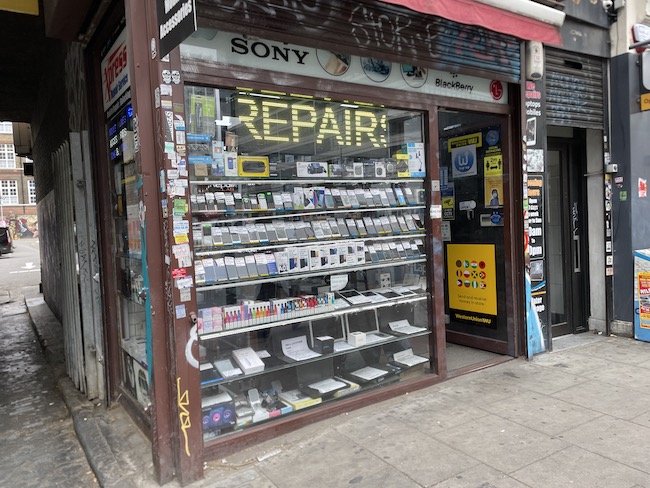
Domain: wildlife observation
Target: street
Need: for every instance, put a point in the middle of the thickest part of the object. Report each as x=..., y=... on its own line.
x=20, y=268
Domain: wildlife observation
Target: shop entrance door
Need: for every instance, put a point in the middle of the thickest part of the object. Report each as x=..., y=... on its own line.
x=474, y=167
x=566, y=240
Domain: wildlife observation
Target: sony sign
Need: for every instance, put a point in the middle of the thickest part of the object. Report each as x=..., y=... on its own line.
x=115, y=72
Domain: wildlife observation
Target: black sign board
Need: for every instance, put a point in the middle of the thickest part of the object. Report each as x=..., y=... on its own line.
x=176, y=21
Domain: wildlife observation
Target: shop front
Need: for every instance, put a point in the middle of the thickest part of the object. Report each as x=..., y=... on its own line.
x=325, y=256
x=309, y=220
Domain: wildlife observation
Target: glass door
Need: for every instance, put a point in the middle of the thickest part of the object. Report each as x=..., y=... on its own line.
x=473, y=172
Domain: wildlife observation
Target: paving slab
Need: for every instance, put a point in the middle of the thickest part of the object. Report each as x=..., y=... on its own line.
x=402, y=447
x=621, y=350
x=481, y=476
x=535, y=377
x=579, y=468
x=501, y=443
x=333, y=459
x=542, y=413
x=570, y=362
x=434, y=412
x=625, y=442
x=620, y=401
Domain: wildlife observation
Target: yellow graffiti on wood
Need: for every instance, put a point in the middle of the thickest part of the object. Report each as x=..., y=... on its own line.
x=184, y=415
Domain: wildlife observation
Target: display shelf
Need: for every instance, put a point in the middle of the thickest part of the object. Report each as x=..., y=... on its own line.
x=308, y=274
x=223, y=381
x=317, y=181
x=224, y=249
x=332, y=313
x=288, y=214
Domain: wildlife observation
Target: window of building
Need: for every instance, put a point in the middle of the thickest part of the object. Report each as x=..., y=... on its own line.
x=6, y=128
x=7, y=156
x=31, y=184
x=9, y=192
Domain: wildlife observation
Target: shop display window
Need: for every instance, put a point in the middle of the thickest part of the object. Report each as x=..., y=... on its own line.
x=309, y=234
x=128, y=258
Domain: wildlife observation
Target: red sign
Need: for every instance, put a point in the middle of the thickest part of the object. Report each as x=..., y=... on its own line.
x=496, y=89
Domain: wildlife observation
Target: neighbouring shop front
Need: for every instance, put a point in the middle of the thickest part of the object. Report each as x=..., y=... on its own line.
x=305, y=224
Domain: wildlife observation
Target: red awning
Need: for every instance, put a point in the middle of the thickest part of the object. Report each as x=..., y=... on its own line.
x=496, y=19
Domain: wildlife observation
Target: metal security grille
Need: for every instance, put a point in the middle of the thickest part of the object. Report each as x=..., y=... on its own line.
x=574, y=90
x=69, y=285
x=369, y=28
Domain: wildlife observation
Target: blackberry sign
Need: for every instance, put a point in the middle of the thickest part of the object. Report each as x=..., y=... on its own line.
x=176, y=21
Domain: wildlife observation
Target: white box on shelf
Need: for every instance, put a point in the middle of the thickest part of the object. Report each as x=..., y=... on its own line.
x=357, y=339
x=248, y=360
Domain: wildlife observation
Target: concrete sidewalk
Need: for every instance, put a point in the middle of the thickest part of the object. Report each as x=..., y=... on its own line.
x=579, y=417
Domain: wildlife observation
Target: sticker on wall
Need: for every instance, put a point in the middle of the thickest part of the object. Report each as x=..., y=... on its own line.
x=163, y=183
x=176, y=77
x=448, y=198
x=445, y=229
x=169, y=126
x=153, y=48
x=185, y=294
x=643, y=188
x=180, y=207
x=333, y=63
x=377, y=70
x=186, y=282
x=414, y=76
x=166, y=104
x=531, y=131
x=166, y=76
x=623, y=195
x=180, y=312
x=165, y=90
x=179, y=122
x=537, y=269
x=179, y=273
x=156, y=96
x=535, y=158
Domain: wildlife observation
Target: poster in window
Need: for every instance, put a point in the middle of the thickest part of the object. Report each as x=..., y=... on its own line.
x=472, y=284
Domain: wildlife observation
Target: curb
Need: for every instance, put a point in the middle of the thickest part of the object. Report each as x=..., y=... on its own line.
x=99, y=454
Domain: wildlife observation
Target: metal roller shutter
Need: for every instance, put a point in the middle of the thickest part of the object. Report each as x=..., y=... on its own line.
x=574, y=90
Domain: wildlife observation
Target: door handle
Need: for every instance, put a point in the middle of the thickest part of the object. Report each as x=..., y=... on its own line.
x=576, y=254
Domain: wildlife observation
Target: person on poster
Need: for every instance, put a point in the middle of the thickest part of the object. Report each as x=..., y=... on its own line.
x=494, y=201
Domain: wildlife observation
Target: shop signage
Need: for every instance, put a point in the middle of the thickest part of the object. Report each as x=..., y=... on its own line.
x=536, y=216
x=472, y=283
x=115, y=72
x=234, y=49
x=176, y=22
x=294, y=121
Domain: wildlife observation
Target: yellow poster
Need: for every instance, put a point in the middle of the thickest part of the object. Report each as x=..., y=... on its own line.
x=493, y=191
x=493, y=165
x=472, y=279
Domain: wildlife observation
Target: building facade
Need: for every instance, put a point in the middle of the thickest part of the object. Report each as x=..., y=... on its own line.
x=318, y=217
x=17, y=190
